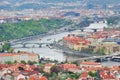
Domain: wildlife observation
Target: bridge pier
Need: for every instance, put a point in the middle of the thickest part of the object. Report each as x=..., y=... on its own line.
x=82, y=30
x=40, y=45
x=24, y=45
x=94, y=30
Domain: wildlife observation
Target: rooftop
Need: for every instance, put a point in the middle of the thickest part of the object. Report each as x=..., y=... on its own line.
x=90, y=63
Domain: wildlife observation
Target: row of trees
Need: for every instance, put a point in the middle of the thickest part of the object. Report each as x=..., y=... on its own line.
x=114, y=20
x=22, y=61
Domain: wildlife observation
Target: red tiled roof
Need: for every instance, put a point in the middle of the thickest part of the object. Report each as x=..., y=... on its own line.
x=106, y=69
x=116, y=68
x=42, y=78
x=12, y=54
x=21, y=79
x=84, y=75
x=90, y=63
x=32, y=78
x=105, y=75
x=76, y=40
x=67, y=66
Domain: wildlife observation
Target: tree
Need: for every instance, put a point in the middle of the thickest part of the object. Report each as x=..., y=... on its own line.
x=1, y=50
x=34, y=62
x=41, y=70
x=8, y=62
x=38, y=56
x=102, y=50
x=11, y=50
x=47, y=74
x=31, y=62
x=74, y=75
x=75, y=62
x=22, y=61
x=92, y=74
x=31, y=28
x=18, y=51
x=15, y=62
x=6, y=47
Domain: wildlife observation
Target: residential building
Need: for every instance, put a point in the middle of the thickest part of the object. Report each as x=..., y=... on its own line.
x=90, y=64
x=74, y=42
x=18, y=57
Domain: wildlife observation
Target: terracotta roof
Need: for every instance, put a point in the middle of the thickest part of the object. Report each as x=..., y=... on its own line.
x=42, y=78
x=84, y=75
x=116, y=68
x=67, y=66
x=105, y=75
x=13, y=54
x=106, y=69
x=21, y=79
x=15, y=74
x=90, y=63
x=32, y=78
x=76, y=40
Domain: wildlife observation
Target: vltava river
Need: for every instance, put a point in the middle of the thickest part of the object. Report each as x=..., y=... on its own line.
x=46, y=52
x=54, y=54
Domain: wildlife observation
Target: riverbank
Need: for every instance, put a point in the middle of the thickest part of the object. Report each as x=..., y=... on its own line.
x=71, y=52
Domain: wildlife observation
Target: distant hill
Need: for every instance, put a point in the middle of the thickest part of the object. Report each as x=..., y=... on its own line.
x=30, y=28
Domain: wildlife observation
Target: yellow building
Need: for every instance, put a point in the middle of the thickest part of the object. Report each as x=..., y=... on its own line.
x=106, y=47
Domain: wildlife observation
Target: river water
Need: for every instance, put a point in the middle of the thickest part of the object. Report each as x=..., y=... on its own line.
x=54, y=54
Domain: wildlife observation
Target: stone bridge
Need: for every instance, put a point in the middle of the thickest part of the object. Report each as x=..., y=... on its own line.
x=24, y=45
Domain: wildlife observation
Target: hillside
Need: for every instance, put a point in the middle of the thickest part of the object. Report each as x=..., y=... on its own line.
x=30, y=28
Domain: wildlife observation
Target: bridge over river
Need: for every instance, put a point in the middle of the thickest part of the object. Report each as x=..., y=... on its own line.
x=31, y=45
x=98, y=57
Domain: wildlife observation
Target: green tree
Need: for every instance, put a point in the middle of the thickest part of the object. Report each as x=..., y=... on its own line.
x=75, y=62
x=31, y=62
x=11, y=50
x=1, y=50
x=23, y=62
x=15, y=62
x=74, y=75
x=6, y=47
x=8, y=62
x=34, y=62
x=92, y=74
x=102, y=51
x=31, y=28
